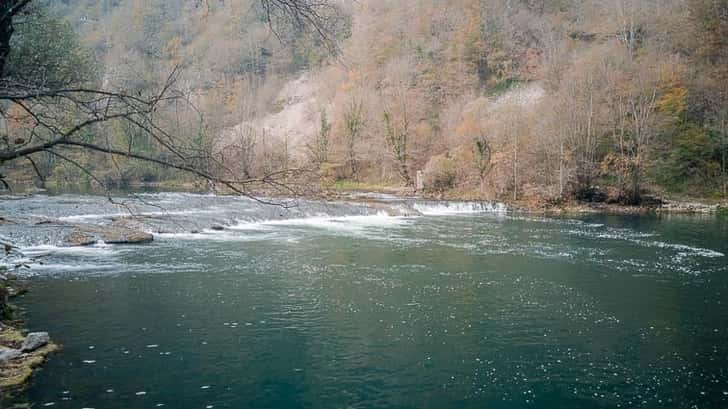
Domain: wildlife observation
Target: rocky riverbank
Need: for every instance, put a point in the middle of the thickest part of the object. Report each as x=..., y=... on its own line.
x=576, y=208
x=20, y=353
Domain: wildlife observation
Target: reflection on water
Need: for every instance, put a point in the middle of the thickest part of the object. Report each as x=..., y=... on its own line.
x=372, y=310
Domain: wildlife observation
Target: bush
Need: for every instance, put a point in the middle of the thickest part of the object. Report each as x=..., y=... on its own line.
x=593, y=194
x=440, y=173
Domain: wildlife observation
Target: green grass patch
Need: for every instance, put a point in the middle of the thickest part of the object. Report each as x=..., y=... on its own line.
x=503, y=85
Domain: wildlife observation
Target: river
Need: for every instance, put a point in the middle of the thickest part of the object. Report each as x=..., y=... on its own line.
x=346, y=305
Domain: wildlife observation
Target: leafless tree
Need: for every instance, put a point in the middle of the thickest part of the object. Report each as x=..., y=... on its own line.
x=316, y=15
x=396, y=134
x=353, y=128
x=483, y=152
x=720, y=124
x=628, y=30
x=641, y=106
x=319, y=147
x=576, y=111
x=244, y=147
x=632, y=110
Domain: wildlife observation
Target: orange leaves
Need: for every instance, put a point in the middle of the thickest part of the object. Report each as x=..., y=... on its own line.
x=673, y=99
x=673, y=102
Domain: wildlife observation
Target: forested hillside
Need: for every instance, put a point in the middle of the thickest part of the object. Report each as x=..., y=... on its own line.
x=526, y=100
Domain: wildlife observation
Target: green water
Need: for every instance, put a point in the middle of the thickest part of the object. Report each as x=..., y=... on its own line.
x=468, y=311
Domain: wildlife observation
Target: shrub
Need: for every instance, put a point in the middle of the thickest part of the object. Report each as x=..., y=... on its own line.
x=440, y=173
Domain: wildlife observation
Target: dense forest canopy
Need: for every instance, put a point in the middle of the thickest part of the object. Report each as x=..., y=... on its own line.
x=536, y=100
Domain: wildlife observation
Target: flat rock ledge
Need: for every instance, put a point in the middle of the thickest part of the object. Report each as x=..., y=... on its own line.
x=664, y=208
x=20, y=355
x=35, y=340
x=688, y=207
x=89, y=234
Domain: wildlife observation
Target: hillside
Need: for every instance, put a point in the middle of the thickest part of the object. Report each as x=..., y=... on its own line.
x=530, y=100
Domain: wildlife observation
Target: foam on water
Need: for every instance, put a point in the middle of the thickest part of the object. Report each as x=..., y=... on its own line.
x=372, y=226
x=683, y=249
x=213, y=235
x=99, y=249
x=49, y=259
x=98, y=216
x=55, y=268
x=289, y=230
x=455, y=208
x=337, y=223
x=639, y=238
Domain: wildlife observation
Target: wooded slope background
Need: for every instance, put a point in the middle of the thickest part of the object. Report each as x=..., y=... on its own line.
x=538, y=100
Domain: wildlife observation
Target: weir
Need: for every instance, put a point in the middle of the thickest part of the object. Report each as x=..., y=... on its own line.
x=45, y=222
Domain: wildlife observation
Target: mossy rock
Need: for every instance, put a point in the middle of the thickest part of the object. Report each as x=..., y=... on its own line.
x=16, y=373
x=11, y=337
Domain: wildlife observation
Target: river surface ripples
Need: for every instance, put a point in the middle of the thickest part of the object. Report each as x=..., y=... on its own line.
x=347, y=305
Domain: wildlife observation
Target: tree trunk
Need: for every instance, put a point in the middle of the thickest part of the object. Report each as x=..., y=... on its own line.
x=561, y=168
x=515, y=168
x=635, y=190
x=724, y=158
x=404, y=172
x=6, y=33
x=3, y=301
x=9, y=9
x=724, y=171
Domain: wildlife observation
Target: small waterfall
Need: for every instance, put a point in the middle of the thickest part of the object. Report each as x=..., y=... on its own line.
x=432, y=208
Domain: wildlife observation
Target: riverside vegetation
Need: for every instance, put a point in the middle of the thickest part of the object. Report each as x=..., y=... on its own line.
x=20, y=353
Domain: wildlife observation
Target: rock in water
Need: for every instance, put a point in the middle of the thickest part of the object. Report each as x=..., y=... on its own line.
x=77, y=238
x=119, y=236
x=7, y=354
x=35, y=340
x=86, y=234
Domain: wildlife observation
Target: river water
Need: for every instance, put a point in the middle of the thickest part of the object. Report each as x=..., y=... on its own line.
x=351, y=306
